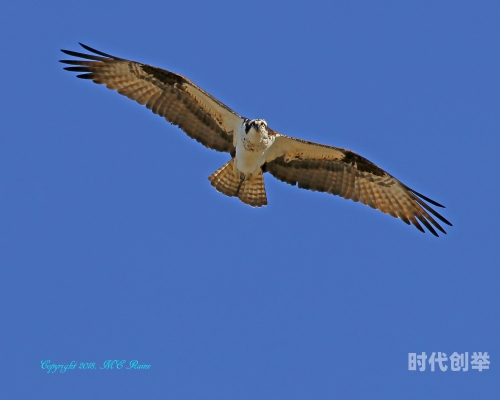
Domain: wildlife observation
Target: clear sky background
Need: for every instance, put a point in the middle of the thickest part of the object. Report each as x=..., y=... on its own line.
x=115, y=246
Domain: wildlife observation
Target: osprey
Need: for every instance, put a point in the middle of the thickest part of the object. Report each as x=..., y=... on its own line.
x=254, y=147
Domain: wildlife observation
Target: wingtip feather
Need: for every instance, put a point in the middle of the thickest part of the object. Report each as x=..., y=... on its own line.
x=434, y=203
x=92, y=50
x=85, y=76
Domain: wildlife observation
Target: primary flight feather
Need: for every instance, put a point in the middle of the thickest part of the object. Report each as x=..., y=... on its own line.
x=253, y=146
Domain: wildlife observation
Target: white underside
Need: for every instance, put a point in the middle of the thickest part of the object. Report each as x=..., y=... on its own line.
x=249, y=162
x=251, y=150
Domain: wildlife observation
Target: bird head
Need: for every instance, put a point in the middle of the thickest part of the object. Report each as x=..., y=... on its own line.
x=259, y=125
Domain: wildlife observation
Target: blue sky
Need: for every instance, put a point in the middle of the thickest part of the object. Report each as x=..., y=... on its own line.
x=113, y=244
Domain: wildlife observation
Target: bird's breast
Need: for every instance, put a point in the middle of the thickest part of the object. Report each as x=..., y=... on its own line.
x=251, y=150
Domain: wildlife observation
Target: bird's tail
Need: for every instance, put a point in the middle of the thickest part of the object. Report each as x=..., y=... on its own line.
x=249, y=189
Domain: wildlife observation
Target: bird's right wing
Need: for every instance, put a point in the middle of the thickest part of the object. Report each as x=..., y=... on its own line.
x=167, y=94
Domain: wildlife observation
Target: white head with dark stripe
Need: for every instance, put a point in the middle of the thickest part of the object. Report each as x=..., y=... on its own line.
x=258, y=126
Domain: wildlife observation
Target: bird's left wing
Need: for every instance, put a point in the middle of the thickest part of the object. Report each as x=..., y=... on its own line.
x=167, y=94
x=346, y=174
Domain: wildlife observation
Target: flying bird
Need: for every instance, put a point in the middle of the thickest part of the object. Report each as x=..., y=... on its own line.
x=254, y=147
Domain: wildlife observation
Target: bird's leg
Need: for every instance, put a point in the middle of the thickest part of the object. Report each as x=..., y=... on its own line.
x=243, y=177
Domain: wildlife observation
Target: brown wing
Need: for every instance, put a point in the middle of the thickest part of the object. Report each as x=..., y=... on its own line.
x=341, y=172
x=167, y=94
